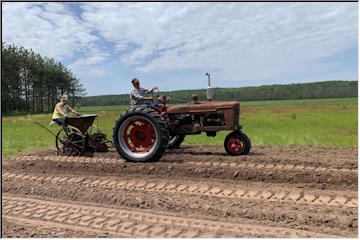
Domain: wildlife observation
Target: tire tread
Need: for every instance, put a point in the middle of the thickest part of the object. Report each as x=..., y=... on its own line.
x=157, y=120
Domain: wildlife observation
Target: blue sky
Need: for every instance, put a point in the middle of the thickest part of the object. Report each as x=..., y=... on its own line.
x=173, y=45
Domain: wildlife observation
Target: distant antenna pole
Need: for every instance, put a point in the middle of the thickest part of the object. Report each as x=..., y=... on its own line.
x=209, y=90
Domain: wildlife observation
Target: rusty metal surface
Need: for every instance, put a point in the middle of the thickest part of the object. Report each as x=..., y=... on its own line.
x=202, y=107
x=81, y=122
x=228, y=116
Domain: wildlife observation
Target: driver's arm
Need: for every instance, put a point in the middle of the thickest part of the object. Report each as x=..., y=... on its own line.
x=135, y=95
x=150, y=89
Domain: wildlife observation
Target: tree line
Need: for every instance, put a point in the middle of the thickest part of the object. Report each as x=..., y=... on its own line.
x=315, y=90
x=33, y=83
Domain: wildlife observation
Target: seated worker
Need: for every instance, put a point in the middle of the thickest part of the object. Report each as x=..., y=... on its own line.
x=137, y=94
x=60, y=112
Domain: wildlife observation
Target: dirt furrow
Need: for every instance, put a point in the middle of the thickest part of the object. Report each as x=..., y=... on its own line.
x=251, y=159
x=21, y=227
x=314, y=218
x=320, y=178
x=198, y=190
x=337, y=157
x=237, y=192
x=123, y=222
x=291, y=152
x=216, y=164
x=327, y=157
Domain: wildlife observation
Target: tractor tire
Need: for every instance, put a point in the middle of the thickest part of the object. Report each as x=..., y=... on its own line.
x=175, y=142
x=237, y=143
x=140, y=135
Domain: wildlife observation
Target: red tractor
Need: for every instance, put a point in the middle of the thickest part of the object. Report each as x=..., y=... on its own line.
x=143, y=133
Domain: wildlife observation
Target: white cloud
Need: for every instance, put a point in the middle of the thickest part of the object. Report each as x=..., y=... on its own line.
x=224, y=36
x=88, y=66
x=252, y=41
x=48, y=28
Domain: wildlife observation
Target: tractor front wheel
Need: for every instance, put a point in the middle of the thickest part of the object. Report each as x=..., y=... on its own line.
x=140, y=135
x=237, y=143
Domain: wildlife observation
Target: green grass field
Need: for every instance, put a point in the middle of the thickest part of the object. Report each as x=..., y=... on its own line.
x=320, y=122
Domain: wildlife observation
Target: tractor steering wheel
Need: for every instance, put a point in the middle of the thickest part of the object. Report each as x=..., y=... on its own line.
x=157, y=91
x=155, y=100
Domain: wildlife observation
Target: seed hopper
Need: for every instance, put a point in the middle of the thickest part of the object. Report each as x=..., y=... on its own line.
x=79, y=136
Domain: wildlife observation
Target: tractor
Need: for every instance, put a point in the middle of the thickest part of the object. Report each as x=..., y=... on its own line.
x=143, y=133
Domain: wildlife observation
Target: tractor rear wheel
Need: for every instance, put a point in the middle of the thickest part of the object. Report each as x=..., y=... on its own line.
x=140, y=135
x=175, y=141
x=237, y=143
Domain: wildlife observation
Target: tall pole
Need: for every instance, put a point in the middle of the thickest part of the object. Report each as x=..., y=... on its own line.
x=209, y=91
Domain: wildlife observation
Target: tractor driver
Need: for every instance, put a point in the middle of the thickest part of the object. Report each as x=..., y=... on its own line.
x=60, y=112
x=137, y=94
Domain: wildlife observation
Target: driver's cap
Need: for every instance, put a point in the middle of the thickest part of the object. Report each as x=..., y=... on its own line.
x=134, y=80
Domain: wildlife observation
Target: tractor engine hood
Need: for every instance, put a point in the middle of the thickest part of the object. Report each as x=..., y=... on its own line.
x=201, y=107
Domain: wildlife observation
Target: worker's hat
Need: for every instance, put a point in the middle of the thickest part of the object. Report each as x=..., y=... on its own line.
x=64, y=97
x=134, y=80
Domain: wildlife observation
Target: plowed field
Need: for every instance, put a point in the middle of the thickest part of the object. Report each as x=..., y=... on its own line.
x=195, y=191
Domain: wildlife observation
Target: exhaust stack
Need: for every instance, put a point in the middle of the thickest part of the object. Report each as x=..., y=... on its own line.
x=209, y=90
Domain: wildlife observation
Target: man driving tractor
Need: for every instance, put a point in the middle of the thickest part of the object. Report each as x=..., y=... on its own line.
x=61, y=110
x=137, y=94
